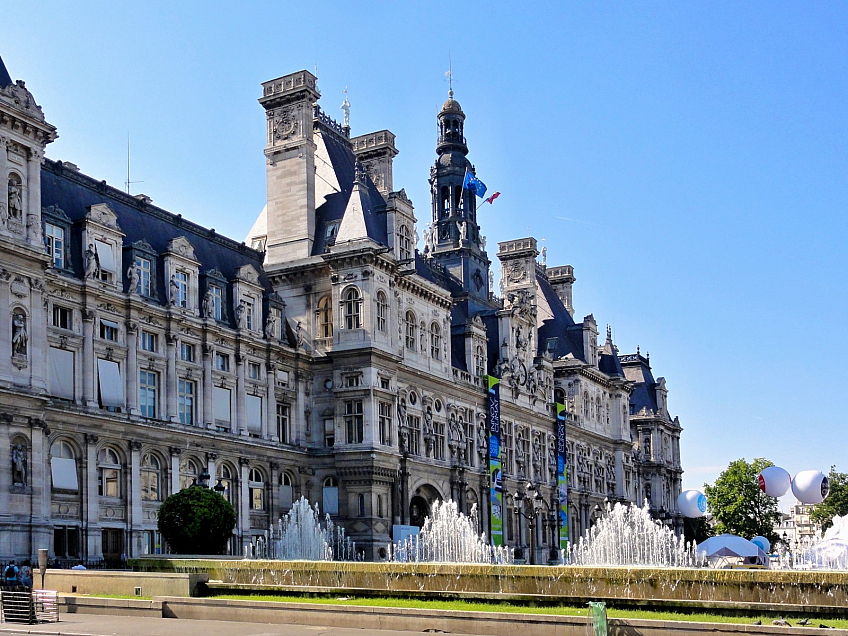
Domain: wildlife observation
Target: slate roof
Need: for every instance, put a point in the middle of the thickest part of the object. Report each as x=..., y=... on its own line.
x=333, y=208
x=5, y=78
x=568, y=335
x=74, y=193
x=644, y=394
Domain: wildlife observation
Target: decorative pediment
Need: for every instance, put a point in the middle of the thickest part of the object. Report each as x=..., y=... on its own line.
x=248, y=273
x=56, y=212
x=103, y=214
x=143, y=246
x=182, y=246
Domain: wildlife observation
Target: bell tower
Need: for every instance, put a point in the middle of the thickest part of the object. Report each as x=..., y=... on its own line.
x=453, y=239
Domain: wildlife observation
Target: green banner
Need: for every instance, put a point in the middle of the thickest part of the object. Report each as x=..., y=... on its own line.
x=495, y=473
x=562, y=476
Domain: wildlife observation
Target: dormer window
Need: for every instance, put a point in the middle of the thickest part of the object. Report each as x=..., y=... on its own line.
x=404, y=243
x=106, y=260
x=330, y=234
x=54, y=240
x=179, y=288
x=217, y=301
x=258, y=243
x=144, y=267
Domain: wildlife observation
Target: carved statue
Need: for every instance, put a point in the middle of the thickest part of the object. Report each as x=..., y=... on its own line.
x=483, y=243
x=463, y=230
x=502, y=287
x=132, y=276
x=208, y=304
x=482, y=441
x=241, y=316
x=19, y=334
x=544, y=255
x=491, y=281
x=19, y=466
x=91, y=267
x=174, y=289
x=300, y=339
x=16, y=207
x=429, y=238
x=428, y=422
x=271, y=326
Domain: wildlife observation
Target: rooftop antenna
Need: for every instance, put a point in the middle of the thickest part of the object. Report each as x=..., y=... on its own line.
x=128, y=181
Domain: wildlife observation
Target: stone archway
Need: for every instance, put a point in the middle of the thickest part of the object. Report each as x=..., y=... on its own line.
x=418, y=510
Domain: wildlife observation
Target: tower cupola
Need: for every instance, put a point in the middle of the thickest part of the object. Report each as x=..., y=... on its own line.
x=451, y=125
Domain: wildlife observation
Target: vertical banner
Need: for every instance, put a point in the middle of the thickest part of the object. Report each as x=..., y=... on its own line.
x=562, y=477
x=495, y=474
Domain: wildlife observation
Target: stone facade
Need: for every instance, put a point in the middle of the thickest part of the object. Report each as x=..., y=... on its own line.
x=336, y=362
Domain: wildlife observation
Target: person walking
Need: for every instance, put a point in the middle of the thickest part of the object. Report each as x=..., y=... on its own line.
x=11, y=574
x=25, y=574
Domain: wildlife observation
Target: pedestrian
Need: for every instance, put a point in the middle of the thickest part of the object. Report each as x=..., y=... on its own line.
x=11, y=574
x=25, y=574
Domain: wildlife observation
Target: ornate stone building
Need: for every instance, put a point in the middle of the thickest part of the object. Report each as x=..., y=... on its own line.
x=331, y=359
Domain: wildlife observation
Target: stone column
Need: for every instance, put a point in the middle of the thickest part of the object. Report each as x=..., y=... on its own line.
x=91, y=518
x=6, y=316
x=175, y=469
x=171, y=383
x=134, y=496
x=131, y=371
x=33, y=223
x=241, y=419
x=244, y=503
x=207, y=415
x=269, y=423
x=89, y=365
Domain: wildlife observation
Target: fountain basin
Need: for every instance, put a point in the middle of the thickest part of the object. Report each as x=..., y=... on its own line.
x=819, y=592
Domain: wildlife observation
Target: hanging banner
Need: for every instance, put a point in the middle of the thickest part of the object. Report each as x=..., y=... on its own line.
x=562, y=477
x=495, y=474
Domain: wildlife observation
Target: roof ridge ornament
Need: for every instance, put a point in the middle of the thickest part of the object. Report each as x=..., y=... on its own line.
x=346, y=109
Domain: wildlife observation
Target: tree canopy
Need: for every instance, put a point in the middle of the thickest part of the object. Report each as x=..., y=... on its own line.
x=197, y=520
x=739, y=506
x=836, y=502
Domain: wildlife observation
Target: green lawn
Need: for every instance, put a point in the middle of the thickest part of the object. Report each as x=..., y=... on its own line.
x=472, y=606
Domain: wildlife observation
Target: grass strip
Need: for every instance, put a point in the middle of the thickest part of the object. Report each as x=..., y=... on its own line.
x=517, y=608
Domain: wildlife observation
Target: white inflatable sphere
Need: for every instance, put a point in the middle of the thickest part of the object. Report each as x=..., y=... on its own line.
x=692, y=503
x=762, y=543
x=810, y=486
x=774, y=481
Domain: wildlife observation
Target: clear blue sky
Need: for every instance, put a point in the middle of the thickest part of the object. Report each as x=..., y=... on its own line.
x=688, y=159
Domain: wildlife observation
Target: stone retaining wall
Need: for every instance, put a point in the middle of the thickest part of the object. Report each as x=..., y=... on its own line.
x=123, y=583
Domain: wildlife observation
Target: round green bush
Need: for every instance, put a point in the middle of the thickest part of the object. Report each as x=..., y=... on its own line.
x=197, y=521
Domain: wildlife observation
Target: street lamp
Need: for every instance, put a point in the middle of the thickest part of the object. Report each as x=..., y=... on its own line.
x=529, y=504
x=219, y=487
x=203, y=479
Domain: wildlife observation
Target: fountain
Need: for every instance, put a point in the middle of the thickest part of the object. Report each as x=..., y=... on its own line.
x=448, y=536
x=627, y=535
x=301, y=536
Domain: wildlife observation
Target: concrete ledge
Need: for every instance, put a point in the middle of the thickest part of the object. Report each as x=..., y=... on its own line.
x=115, y=606
x=94, y=582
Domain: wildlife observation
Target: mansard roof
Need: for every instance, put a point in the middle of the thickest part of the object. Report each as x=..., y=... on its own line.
x=75, y=193
x=637, y=369
x=332, y=209
x=5, y=78
x=559, y=335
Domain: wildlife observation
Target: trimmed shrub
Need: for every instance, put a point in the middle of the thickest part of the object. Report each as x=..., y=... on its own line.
x=197, y=521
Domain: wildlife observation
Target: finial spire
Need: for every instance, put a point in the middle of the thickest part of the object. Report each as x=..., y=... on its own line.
x=449, y=75
x=346, y=109
x=609, y=334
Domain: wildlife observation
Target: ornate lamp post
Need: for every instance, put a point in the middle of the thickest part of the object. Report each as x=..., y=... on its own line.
x=529, y=504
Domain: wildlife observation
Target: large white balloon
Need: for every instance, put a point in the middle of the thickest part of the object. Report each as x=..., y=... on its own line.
x=774, y=481
x=692, y=503
x=810, y=486
x=762, y=543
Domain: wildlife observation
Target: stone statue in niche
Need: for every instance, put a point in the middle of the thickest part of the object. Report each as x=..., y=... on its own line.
x=91, y=267
x=132, y=277
x=16, y=207
x=241, y=316
x=271, y=326
x=208, y=304
x=19, y=334
x=19, y=465
x=482, y=441
x=299, y=336
x=173, y=290
x=544, y=255
x=463, y=230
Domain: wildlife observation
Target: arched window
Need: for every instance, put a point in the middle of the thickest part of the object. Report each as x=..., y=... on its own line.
x=108, y=473
x=352, y=308
x=586, y=405
x=479, y=360
x=62, y=450
x=410, y=330
x=445, y=199
x=331, y=496
x=435, y=341
x=559, y=396
x=152, y=478
x=404, y=243
x=226, y=480
x=188, y=473
x=256, y=485
x=63, y=466
x=361, y=505
x=325, y=317
x=382, y=311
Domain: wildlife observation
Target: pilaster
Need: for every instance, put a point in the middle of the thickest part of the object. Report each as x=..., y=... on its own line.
x=134, y=503
x=89, y=369
x=172, y=383
x=131, y=372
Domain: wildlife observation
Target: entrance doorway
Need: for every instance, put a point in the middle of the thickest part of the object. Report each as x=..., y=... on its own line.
x=418, y=511
x=113, y=544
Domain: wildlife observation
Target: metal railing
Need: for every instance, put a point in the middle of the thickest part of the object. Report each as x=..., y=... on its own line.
x=22, y=605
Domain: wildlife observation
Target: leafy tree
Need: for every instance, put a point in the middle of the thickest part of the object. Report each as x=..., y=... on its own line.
x=836, y=502
x=697, y=530
x=196, y=520
x=739, y=506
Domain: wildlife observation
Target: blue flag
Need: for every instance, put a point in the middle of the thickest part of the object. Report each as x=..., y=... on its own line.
x=474, y=184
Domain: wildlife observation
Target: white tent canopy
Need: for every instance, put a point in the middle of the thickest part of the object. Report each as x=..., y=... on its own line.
x=730, y=545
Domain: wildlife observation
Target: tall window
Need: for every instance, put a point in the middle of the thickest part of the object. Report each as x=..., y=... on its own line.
x=439, y=445
x=189, y=472
x=249, y=318
x=479, y=360
x=410, y=323
x=226, y=479
x=382, y=311
x=151, y=478
x=185, y=401
x=351, y=308
x=181, y=279
x=217, y=302
x=256, y=485
x=186, y=352
x=385, y=423
x=354, y=424
x=413, y=424
x=325, y=317
x=329, y=432
x=147, y=389
x=144, y=267
x=435, y=341
x=63, y=466
x=283, y=423
x=108, y=473
x=404, y=243
x=54, y=239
